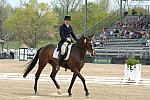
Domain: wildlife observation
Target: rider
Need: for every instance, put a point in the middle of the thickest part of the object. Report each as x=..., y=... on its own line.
x=66, y=34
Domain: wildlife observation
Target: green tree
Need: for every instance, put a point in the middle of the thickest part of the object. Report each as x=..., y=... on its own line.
x=96, y=12
x=31, y=22
x=5, y=12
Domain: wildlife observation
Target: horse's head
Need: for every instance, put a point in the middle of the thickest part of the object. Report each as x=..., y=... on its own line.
x=87, y=43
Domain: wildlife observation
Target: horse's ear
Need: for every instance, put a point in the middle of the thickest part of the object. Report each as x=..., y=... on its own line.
x=85, y=35
x=91, y=36
x=82, y=36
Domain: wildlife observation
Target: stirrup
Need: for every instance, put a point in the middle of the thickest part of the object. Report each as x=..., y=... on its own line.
x=58, y=50
x=65, y=69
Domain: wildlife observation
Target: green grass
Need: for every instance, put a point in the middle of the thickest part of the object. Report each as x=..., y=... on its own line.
x=41, y=43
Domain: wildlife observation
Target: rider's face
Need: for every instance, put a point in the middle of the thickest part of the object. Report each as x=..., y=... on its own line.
x=67, y=22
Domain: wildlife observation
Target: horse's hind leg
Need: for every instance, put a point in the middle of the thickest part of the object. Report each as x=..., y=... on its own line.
x=52, y=75
x=37, y=75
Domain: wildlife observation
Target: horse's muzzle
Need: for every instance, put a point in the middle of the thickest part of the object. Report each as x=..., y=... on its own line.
x=93, y=53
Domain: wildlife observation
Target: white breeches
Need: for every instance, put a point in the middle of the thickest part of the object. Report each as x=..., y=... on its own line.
x=63, y=48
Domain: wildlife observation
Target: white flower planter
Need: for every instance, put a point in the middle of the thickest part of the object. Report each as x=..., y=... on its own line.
x=132, y=73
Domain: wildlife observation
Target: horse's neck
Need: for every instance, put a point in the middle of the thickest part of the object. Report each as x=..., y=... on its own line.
x=81, y=50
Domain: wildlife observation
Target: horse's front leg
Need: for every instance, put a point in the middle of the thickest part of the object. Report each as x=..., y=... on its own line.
x=83, y=81
x=71, y=84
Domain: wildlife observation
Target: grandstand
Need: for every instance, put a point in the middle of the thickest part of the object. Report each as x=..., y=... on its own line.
x=125, y=37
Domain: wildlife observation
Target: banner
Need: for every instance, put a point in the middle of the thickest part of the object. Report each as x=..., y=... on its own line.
x=140, y=2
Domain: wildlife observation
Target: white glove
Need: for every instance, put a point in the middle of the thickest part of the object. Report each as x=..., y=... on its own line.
x=68, y=39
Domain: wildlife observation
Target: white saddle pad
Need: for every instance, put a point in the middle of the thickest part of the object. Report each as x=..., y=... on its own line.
x=56, y=53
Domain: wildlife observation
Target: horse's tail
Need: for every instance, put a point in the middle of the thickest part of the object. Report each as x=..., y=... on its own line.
x=32, y=63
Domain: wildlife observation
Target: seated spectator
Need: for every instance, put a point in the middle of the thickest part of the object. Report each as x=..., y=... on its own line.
x=136, y=35
x=131, y=34
x=143, y=35
x=111, y=33
x=134, y=12
x=116, y=32
x=127, y=34
x=139, y=35
x=125, y=13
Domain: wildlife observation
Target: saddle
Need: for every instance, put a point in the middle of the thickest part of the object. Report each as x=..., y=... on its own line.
x=66, y=55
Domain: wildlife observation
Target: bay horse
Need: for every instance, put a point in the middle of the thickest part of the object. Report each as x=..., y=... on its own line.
x=75, y=62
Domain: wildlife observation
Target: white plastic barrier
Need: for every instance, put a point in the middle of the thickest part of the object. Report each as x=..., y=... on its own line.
x=23, y=54
x=132, y=73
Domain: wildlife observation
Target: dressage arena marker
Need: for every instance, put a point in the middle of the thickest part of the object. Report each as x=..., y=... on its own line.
x=67, y=79
x=132, y=73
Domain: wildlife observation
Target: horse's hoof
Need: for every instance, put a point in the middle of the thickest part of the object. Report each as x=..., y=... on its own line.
x=24, y=76
x=59, y=92
x=36, y=93
x=35, y=90
x=70, y=94
x=87, y=94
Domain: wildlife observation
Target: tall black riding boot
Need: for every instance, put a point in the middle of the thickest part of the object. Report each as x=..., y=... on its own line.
x=60, y=60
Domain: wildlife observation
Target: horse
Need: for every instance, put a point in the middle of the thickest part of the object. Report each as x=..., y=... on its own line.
x=75, y=62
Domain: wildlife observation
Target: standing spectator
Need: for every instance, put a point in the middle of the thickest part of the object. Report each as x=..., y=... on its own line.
x=141, y=14
x=12, y=53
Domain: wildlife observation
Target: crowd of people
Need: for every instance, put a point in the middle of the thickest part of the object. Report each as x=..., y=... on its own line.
x=133, y=27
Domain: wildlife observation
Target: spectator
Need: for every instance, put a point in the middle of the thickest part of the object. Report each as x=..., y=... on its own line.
x=111, y=33
x=141, y=14
x=116, y=32
x=12, y=53
x=134, y=12
x=131, y=34
x=125, y=13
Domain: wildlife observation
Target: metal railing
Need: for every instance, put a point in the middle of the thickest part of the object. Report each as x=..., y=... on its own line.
x=121, y=52
x=106, y=22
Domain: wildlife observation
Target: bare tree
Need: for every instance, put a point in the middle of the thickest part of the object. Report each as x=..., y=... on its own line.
x=2, y=2
x=4, y=13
